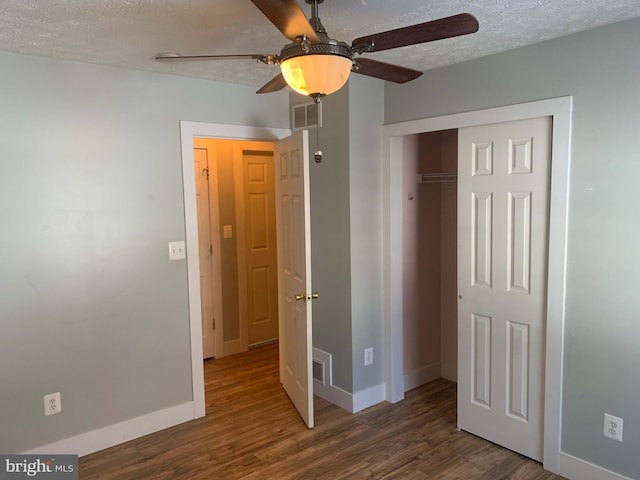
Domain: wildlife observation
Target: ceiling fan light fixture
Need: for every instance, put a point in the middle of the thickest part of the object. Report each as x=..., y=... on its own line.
x=316, y=69
x=316, y=74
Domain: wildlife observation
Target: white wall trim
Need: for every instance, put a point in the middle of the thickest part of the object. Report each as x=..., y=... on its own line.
x=560, y=110
x=556, y=280
x=189, y=130
x=392, y=178
x=118, y=433
x=335, y=395
x=368, y=397
x=577, y=469
x=423, y=375
x=352, y=403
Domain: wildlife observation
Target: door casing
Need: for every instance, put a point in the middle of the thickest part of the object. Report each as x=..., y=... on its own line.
x=559, y=109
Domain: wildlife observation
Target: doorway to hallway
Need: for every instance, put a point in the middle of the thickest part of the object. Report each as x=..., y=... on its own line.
x=237, y=244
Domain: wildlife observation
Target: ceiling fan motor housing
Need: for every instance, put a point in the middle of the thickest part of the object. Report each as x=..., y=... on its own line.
x=330, y=47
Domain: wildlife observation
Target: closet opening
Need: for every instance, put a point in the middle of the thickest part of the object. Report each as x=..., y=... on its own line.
x=429, y=250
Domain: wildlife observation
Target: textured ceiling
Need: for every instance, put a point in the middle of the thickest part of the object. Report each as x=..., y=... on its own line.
x=129, y=33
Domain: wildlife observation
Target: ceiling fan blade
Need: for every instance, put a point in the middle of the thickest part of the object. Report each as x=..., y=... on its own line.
x=461, y=24
x=385, y=71
x=288, y=17
x=174, y=57
x=276, y=84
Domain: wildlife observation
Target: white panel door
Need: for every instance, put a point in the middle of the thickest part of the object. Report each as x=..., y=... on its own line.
x=294, y=270
x=503, y=192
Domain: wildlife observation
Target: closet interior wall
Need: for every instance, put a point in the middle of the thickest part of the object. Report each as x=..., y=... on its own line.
x=429, y=259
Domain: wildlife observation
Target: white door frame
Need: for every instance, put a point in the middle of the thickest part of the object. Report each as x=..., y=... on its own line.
x=560, y=109
x=189, y=130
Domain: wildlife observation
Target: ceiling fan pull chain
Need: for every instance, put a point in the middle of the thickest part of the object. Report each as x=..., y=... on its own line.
x=318, y=155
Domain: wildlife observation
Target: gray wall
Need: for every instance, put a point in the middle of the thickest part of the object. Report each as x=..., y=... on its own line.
x=346, y=221
x=366, y=114
x=330, y=256
x=600, y=68
x=90, y=194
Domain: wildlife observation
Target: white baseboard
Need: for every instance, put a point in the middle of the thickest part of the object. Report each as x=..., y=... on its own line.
x=335, y=395
x=576, y=469
x=352, y=403
x=449, y=371
x=118, y=433
x=368, y=397
x=423, y=375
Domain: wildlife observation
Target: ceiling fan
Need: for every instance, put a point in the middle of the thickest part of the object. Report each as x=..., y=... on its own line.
x=316, y=65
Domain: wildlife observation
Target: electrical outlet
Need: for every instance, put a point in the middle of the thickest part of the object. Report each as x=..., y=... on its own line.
x=52, y=404
x=612, y=427
x=368, y=356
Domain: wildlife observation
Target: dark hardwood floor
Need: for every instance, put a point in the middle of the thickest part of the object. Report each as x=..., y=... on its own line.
x=252, y=431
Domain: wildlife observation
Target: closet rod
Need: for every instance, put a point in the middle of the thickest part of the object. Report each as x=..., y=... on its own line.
x=437, y=177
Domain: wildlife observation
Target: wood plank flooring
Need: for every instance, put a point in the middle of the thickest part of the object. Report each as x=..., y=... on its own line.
x=253, y=432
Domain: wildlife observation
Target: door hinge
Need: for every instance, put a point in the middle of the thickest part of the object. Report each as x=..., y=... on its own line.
x=214, y=323
x=206, y=171
x=210, y=249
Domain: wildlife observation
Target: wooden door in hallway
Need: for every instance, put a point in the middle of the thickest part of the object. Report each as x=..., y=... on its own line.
x=503, y=198
x=202, y=173
x=260, y=247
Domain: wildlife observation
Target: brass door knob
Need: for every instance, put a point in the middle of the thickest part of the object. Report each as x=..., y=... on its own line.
x=306, y=296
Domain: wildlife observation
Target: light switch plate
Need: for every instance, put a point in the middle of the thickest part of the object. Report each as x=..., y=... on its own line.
x=227, y=231
x=368, y=356
x=177, y=250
